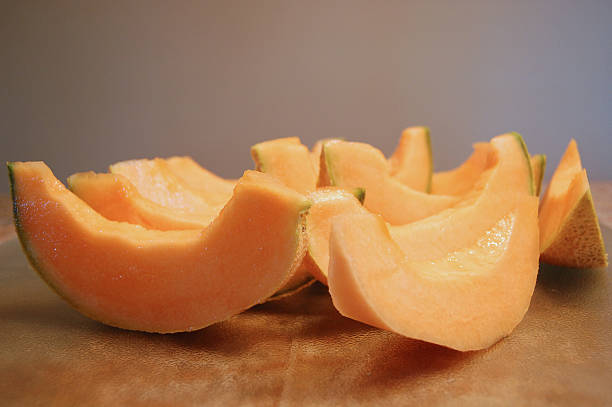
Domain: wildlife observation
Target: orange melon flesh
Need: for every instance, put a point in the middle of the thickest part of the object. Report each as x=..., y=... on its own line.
x=287, y=160
x=159, y=281
x=154, y=180
x=461, y=179
x=215, y=190
x=412, y=162
x=326, y=204
x=475, y=283
x=569, y=229
x=351, y=165
x=538, y=165
x=115, y=198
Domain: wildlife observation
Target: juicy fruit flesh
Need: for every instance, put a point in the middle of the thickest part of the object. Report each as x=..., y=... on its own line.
x=212, y=188
x=352, y=165
x=159, y=281
x=412, y=163
x=115, y=198
x=469, y=289
x=154, y=180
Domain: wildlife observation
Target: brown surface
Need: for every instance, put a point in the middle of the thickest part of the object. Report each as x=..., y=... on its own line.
x=300, y=351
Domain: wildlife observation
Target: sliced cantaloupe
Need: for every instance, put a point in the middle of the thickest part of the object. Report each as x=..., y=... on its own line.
x=469, y=280
x=326, y=204
x=287, y=160
x=352, y=165
x=216, y=190
x=569, y=229
x=538, y=165
x=114, y=197
x=412, y=161
x=156, y=182
x=315, y=154
x=159, y=281
x=461, y=179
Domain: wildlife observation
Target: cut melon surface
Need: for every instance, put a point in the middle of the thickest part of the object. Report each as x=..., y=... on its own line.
x=461, y=179
x=352, y=165
x=215, y=190
x=159, y=281
x=462, y=278
x=570, y=235
x=315, y=154
x=114, y=197
x=155, y=181
x=538, y=164
x=412, y=161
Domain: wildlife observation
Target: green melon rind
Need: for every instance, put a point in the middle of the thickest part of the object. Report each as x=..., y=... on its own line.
x=360, y=194
x=541, y=160
x=521, y=141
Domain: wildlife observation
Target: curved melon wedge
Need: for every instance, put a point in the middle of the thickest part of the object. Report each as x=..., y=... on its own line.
x=569, y=229
x=538, y=165
x=159, y=281
x=461, y=179
x=217, y=191
x=352, y=165
x=287, y=160
x=412, y=162
x=115, y=198
x=475, y=283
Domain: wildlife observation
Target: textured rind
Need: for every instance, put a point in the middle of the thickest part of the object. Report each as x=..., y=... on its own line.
x=579, y=242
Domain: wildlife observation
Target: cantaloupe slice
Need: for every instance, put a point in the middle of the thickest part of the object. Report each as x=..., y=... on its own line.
x=287, y=160
x=154, y=180
x=468, y=282
x=461, y=179
x=159, y=281
x=114, y=197
x=569, y=230
x=352, y=165
x=217, y=191
x=538, y=165
x=412, y=161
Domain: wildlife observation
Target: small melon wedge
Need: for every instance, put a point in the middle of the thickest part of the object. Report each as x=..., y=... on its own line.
x=287, y=160
x=569, y=229
x=315, y=154
x=156, y=182
x=326, y=204
x=461, y=179
x=473, y=285
x=159, y=281
x=352, y=165
x=115, y=198
x=412, y=162
x=538, y=164
x=215, y=190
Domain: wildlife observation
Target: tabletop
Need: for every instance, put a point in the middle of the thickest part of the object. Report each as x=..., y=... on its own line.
x=300, y=351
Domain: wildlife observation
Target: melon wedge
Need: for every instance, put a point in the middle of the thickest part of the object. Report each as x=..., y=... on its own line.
x=538, y=165
x=461, y=179
x=115, y=198
x=468, y=282
x=569, y=229
x=287, y=160
x=216, y=190
x=412, y=162
x=159, y=281
x=352, y=165
x=315, y=154
x=156, y=182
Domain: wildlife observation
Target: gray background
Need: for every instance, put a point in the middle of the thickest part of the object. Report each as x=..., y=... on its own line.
x=88, y=83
